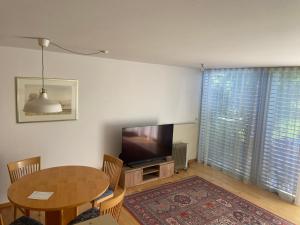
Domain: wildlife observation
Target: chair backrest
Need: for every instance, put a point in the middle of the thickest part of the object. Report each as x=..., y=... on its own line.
x=113, y=205
x=1, y=220
x=112, y=166
x=23, y=167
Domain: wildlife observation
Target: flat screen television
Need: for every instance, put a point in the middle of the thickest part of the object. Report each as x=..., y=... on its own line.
x=141, y=144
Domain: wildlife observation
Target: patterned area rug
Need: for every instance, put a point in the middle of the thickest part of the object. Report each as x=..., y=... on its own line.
x=195, y=201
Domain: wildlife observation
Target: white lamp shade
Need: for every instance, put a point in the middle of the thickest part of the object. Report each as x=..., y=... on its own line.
x=42, y=105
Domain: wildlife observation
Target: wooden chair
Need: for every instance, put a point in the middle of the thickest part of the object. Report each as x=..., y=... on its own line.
x=112, y=166
x=21, y=168
x=111, y=206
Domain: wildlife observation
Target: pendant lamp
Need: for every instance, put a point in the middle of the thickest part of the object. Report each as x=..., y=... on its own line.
x=42, y=104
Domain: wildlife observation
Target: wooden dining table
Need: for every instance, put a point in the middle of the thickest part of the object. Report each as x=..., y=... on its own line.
x=72, y=186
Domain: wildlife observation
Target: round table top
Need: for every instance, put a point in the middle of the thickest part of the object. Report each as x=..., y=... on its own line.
x=72, y=186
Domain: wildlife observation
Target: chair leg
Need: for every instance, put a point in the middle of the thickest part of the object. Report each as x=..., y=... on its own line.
x=26, y=212
x=15, y=212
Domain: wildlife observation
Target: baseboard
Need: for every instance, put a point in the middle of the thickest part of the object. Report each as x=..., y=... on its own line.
x=192, y=161
x=5, y=205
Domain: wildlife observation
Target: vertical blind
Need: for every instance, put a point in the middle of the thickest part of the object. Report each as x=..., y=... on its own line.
x=281, y=147
x=228, y=119
x=250, y=125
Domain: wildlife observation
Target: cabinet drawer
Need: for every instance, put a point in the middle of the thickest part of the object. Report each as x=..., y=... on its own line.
x=133, y=178
x=166, y=170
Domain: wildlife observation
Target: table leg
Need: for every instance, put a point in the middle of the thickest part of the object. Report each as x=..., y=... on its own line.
x=27, y=212
x=53, y=217
x=61, y=217
x=68, y=215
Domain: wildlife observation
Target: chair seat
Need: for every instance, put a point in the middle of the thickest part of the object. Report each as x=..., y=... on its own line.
x=86, y=215
x=24, y=220
x=109, y=193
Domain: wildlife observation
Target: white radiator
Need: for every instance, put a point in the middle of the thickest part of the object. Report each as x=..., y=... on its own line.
x=179, y=155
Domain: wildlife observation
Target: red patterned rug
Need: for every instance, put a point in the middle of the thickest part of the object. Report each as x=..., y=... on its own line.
x=195, y=201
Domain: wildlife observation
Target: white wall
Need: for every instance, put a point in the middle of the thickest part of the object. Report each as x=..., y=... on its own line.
x=187, y=133
x=112, y=94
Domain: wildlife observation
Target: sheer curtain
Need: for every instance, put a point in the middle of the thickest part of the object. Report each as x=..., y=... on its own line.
x=229, y=113
x=280, y=151
x=250, y=126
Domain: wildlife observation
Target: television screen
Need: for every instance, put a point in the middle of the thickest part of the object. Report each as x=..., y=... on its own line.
x=146, y=143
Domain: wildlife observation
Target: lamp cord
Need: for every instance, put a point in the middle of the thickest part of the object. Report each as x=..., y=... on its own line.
x=78, y=53
x=43, y=81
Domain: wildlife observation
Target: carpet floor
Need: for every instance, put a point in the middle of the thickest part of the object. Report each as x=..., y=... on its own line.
x=195, y=201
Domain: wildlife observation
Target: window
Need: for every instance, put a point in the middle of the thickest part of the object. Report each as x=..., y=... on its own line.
x=228, y=119
x=281, y=147
x=250, y=125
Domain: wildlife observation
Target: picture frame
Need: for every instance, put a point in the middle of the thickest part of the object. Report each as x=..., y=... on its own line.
x=64, y=91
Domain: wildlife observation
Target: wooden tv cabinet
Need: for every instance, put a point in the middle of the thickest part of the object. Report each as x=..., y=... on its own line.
x=145, y=173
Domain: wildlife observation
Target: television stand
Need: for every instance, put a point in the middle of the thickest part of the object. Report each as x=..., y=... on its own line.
x=147, y=172
x=143, y=164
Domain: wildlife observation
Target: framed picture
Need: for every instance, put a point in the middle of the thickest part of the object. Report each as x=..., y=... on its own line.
x=60, y=90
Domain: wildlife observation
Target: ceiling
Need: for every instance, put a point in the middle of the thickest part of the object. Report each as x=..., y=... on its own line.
x=218, y=33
